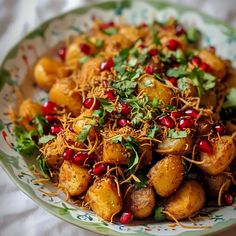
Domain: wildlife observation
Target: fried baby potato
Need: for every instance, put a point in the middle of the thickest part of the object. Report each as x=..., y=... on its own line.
x=73, y=178
x=167, y=174
x=140, y=202
x=47, y=71
x=155, y=89
x=114, y=153
x=188, y=200
x=216, y=63
x=175, y=146
x=63, y=94
x=28, y=110
x=222, y=155
x=104, y=198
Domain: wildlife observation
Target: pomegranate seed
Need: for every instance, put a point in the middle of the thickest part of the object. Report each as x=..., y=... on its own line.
x=110, y=95
x=142, y=45
x=205, y=146
x=219, y=128
x=55, y=129
x=191, y=112
x=173, y=80
x=176, y=65
x=62, y=53
x=80, y=158
x=179, y=30
x=185, y=123
x=49, y=107
x=107, y=65
x=125, y=108
x=173, y=44
x=126, y=218
x=196, y=61
x=228, y=199
x=105, y=83
x=203, y=126
x=167, y=121
x=85, y=48
x=153, y=52
x=50, y=118
x=122, y=122
x=150, y=69
x=68, y=154
x=89, y=102
x=106, y=25
x=100, y=169
x=205, y=67
x=143, y=24
x=176, y=114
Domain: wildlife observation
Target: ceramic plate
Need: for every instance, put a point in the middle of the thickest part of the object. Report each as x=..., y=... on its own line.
x=16, y=68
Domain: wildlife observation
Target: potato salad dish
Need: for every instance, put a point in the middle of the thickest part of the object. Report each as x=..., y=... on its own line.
x=138, y=122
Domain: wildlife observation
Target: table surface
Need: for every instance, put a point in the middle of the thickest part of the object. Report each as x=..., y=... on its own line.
x=18, y=213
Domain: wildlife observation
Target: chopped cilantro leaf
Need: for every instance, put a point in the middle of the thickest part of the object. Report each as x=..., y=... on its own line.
x=99, y=43
x=106, y=104
x=230, y=98
x=177, y=134
x=148, y=83
x=40, y=122
x=193, y=35
x=42, y=165
x=143, y=180
x=84, y=59
x=110, y=31
x=152, y=131
x=132, y=61
x=117, y=139
x=46, y=138
x=177, y=72
x=84, y=133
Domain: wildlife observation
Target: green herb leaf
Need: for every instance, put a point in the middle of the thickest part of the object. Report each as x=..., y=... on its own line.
x=106, y=104
x=43, y=165
x=110, y=31
x=159, y=215
x=148, y=83
x=99, y=43
x=84, y=133
x=132, y=61
x=143, y=180
x=230, y=98
x=193, y=35
x=152, y=131
x=177, y=134
x=177, y=72
x=40, y=122
x=46, y=138
x=155, y=103
x=116, y=139
x=84, y=59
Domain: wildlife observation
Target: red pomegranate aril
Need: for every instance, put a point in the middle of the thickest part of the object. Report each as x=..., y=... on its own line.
x=219, y=128
x=105, y=83
x=85, y=48
x=143, y=24
x=62, y=53
x=68, y=154
x=153, y=52
x=191, y=112
x=173, y=44
x=205, y=67
x=142, y=45
x=89, y=102
x=150, y=69
x=196, y=61
x=110, y=95
x=179, y=30
x=126, y=218
x=185, y=123
x=49, y=107
x=228, y=199
x=176, y=114
x=106, y=25
x=50, y=118
x=80, y=158
x=55, y=129
x=167, y=121
x=204, y=145
x=125, y=108
x=173, y=81
x=100, y=169
x=122, y=122
x=107, y=65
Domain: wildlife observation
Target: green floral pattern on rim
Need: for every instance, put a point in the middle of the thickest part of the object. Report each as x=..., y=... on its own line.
x=16, y=67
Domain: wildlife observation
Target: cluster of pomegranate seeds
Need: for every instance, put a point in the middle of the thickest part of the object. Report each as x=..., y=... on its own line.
x=176, y=114
x=219, y=128
x=167, y=121
x=89, y=102
x=85, y=48
x=205, y=67
x=49, y=108
x=100, y=169
x=173, y=81
x=153, y=52
x=50, y=118
x=228, y=199
x=122, y=122
x=62, y=53
x=196, y=61
x=107, y=65
x=105, y=83
x=106, y=25
x=126, y=217
x=125, y=108
x=173, y=44
x=204, y=145
x=150, y=68
x=110, y=95
x=185, y=123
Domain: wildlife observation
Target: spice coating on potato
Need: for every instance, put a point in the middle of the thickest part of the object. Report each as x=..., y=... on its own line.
x=167, y=174
x=73, y=178
x=140, y=202
x=189, y=199
x=219, y=160
x=63, y=94
x=104, y=199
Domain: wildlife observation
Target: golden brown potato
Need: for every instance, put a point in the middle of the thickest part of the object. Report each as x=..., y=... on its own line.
x=175, y=146
x=189, y=199
x=218, y=65
x=215, y=182
x=73, y=178
x=104, y=199
x=83, y=120
x=140, y=202
x=114, y=153
x=131, y=33
x=155, y=89
x=230, y=127
x=28, y=110
x=146, y=153
x=63, y=94
x=167, y=174
x=219, y=160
